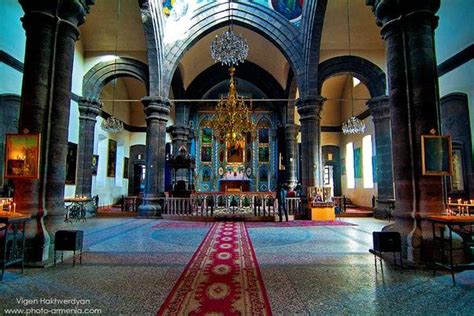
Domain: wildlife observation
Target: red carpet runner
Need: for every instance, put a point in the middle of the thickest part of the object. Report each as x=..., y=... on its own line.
x=222, y=278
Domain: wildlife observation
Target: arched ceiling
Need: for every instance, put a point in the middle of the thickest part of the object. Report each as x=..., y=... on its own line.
x=98, y=37
x=261, y=52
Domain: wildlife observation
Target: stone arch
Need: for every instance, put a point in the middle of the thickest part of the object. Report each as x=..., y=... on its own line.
x=104, y=72
x=258, y=18
x=247, y=71
x=370, y=74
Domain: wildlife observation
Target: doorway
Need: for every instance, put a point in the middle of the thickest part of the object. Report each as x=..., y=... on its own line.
x=139, y=172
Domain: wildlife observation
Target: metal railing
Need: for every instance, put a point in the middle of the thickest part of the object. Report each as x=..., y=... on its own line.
x=224, y=203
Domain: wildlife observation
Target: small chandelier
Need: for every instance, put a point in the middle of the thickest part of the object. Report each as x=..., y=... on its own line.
x=232, y=120
x=113, y=124
x=229, y=48
x=353, y=125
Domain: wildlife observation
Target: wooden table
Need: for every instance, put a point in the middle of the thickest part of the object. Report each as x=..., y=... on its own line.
x=442, y=245
x=12, y=237
x=76, y=208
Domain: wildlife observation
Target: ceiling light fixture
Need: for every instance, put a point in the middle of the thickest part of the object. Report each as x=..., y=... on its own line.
x=353, y=125
x=113, y=124
x=232, y=121
x=229, y=48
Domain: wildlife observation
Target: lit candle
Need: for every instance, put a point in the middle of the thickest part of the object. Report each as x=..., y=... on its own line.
x=9, y=207
x=14, y=207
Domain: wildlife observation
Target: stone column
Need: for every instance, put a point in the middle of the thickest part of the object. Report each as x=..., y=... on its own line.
x=291, y=133
x=157, y=110
x=310, y=119
x=88, y=111
x=179, y=137
x=380, y=111
x=408, y=30
x=51, y=33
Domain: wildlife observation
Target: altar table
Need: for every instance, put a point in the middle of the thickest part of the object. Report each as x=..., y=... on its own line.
x=241, y=184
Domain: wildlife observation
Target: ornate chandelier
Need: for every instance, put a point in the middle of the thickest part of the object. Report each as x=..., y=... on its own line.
x=113, y=124
x=229, y=48
x=353, y=125
x=232, y=120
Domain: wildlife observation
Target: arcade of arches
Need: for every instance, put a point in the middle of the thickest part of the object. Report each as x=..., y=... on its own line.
x=402, y=67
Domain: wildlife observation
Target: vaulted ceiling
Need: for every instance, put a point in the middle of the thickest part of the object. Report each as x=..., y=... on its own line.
x=103, y=34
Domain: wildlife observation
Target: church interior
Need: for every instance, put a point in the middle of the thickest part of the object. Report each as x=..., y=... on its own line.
x=247, y=157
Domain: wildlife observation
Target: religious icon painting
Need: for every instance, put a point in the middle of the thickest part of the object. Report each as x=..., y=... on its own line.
x=457, y=178
x=248, y=172
x=206, y=175
x=235, y=153
x=263, y=174
x=22, y=156
x=94, y=164
x=206, y=135
x=206, y=154
x=291, y=9
x=221, y=155
x=263, y=154
x=125, y=167
x=112, y=157
x=71, y=163
x=263, y=135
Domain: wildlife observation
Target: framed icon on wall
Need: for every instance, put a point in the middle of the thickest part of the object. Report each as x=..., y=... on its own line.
x=22, y=156
x=436, y=155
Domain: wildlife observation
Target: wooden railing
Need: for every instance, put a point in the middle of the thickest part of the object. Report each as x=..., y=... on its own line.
x=294, y=206
x=217, y=203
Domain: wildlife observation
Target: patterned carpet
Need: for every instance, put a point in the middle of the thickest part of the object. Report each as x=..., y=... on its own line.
x=182, y=224
x=297, y=223
x=222, y=278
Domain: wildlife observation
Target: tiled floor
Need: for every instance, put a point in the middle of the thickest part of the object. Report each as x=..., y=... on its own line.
x=130, y=267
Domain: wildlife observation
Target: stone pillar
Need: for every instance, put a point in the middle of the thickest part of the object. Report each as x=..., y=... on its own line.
x=51, y=32
x=408, y=30
x=157, y=110
x=88, y=111
x=179, y=137
x=291, y=133
x=310, y=119
x=380, y=111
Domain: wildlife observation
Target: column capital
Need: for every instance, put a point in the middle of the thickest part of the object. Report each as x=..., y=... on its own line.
x=156, y=108
x=292, y=129
x=390, y=10
x=379, y=107
x=71, y=11
x=89, y=108
x=310, y=108
x=180, y=132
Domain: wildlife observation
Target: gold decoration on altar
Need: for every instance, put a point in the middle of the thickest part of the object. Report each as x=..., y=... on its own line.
x=232, y=120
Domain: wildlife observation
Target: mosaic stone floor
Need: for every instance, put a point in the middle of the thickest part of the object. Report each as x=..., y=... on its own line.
x=130, y=267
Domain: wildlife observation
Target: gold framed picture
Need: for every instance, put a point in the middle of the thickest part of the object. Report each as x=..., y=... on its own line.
x=436, y=155
x=22, y=156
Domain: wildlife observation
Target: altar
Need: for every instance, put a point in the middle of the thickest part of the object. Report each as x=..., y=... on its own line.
x=234, y=182
x=242, y=185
